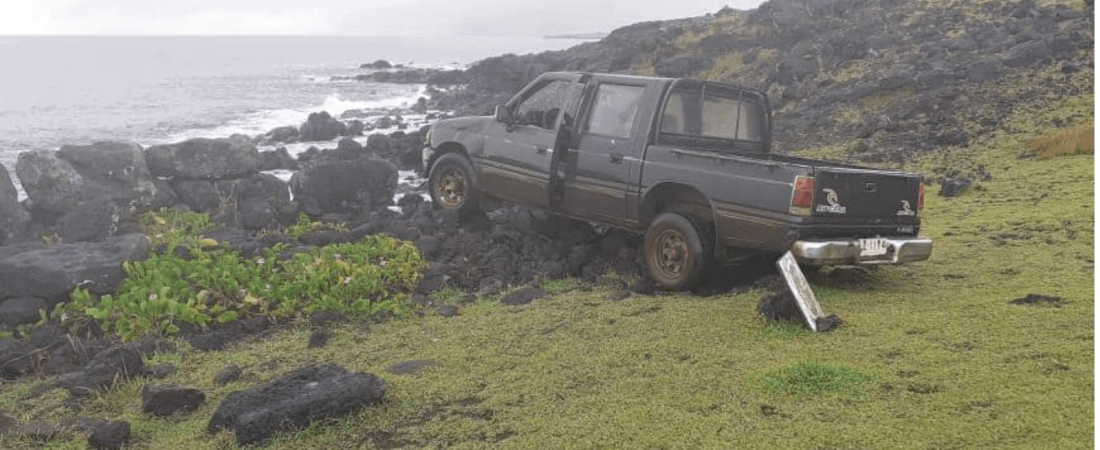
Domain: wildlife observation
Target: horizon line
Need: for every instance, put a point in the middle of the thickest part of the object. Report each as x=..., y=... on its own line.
x=335, y=35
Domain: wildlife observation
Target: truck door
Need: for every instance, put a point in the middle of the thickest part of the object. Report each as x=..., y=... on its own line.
x=517, y=159
x=607, y=154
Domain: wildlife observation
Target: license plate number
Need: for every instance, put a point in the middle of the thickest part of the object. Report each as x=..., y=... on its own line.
x=872, y=247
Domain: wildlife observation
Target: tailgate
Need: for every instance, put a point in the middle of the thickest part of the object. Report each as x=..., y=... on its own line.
x=865, y=193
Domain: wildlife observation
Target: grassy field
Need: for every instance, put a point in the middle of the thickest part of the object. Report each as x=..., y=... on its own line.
x=932, y=355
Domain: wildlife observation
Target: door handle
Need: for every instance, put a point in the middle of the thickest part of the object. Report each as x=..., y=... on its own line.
x=616, y=158
x=540, y=150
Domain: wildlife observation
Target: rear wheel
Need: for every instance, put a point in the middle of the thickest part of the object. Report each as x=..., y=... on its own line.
x=674, y=252
x=452, y=184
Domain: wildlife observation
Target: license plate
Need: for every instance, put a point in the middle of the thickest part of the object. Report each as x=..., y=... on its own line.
x=872, y=247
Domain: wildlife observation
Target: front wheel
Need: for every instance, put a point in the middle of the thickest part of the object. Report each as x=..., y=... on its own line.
x=452, y=184
x=674, y=252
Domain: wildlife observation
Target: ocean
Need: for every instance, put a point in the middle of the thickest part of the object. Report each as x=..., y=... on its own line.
x=62, y=90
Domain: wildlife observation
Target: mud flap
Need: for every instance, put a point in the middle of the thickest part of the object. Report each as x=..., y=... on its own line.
x=803, y=295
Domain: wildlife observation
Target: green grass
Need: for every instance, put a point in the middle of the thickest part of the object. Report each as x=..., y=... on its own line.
x=561, y=285
x=931, y=355
x=812, y=378
x=448, y=296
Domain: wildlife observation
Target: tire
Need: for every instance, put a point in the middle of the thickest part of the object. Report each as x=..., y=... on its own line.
x=453, y=185
x=675, y=254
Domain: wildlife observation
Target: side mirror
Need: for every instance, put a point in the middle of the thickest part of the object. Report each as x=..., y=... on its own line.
x=503, y=115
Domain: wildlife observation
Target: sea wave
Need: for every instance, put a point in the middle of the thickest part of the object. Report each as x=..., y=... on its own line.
x=261, y=122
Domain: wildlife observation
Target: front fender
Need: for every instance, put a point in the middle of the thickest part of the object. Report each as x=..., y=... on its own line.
x=466, y=131
x=464, y=134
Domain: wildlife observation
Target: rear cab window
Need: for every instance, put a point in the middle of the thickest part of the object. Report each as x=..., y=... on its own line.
x=716, y=116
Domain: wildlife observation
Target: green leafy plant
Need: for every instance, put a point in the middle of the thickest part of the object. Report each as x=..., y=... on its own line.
x=810, y=378
x=302, y=227
x=367, y=278
x=173, y=228
x=305, y=226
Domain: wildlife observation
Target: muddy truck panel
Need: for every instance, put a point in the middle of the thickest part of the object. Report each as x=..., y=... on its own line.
x=687, y=163
x=749, y=198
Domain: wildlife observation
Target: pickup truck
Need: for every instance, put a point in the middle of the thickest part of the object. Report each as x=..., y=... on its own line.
x=686, y=162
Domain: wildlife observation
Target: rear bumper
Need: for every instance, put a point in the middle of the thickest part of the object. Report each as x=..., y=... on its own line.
x=843, y=252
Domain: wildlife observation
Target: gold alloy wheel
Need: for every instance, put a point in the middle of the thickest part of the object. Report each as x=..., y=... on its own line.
x=671, y=253
x=451, y=188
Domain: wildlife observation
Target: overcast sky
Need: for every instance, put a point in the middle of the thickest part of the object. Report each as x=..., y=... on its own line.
x=344, y=17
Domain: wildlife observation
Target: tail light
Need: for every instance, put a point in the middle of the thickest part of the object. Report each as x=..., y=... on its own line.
x=802, y=197
x=920, y=199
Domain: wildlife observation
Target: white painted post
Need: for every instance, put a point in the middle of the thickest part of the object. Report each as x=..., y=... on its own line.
x=803, y=295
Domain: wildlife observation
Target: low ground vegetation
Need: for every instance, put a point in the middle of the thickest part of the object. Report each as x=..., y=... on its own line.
x=194, y=281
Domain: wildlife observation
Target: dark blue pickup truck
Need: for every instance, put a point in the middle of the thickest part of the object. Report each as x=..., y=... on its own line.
x=686, y=162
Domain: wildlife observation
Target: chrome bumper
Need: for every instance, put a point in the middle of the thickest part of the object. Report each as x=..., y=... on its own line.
x=826, y=252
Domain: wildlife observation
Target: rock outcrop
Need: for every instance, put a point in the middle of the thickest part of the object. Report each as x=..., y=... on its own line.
x=902, y=78
x=51, y=273
x=167, y=400
x=113, y=175
x=202, y=158
x=222, y=177
x=345, y=186
x=294, y=401
x=14, y=219
x=110, y=436
x=320, y=126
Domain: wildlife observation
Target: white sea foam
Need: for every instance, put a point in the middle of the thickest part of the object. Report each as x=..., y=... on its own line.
x=321, y=78
x=261, y=122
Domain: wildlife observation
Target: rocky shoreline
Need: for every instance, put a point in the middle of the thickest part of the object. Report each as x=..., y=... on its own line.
x=79, y=225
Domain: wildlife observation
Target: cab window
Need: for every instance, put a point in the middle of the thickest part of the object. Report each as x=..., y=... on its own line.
x=542, y=106
x=614, y=110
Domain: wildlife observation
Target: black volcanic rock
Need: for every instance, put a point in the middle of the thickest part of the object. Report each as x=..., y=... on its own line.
x=202, y=158
x=294, y=401
x=21, y=310
x=348, y=148
x=378, y=64
x=60, y=181
x=51, y=273
x=345, y=186
x=91, y=221
x=168, y=400
x=112, y=365
x=280, y=135
x=110, y=436
x=320, y=126
x=831, y=67
x=278, y=159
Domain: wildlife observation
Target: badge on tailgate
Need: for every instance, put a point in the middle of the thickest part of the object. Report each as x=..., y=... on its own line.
x=833, y=205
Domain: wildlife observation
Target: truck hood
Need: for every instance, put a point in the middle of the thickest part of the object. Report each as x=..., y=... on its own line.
x=448, y=129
